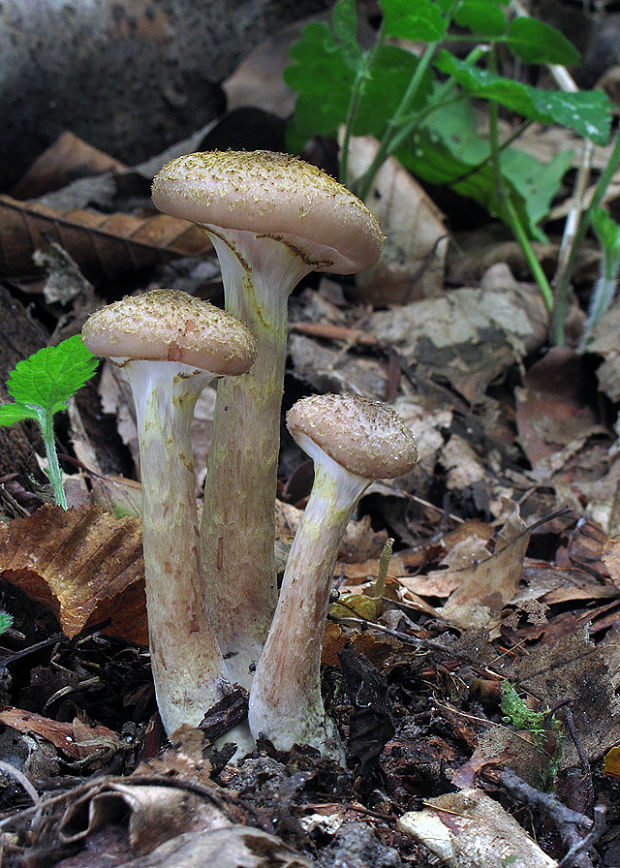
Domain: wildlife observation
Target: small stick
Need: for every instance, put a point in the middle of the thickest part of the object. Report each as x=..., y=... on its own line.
x=11, y=771
x=570, y=824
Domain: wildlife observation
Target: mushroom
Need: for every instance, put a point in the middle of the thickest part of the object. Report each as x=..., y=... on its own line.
x=272, y=219
x=352, y=441
x=170, y=346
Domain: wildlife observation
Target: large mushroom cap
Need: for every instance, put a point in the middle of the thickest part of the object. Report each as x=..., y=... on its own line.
x=363, y=436
x=276, y=195
x=170, y=325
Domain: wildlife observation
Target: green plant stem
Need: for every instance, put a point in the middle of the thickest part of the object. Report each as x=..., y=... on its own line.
x=363, y=184
x=46, y=423
x=561, y=295
x=511, y=213
x=356, y=95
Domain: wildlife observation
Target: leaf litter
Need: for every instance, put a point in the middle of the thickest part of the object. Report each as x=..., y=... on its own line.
x=491, y=579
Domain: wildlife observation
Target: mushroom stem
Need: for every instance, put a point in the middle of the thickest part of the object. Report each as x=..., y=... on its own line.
x=188, y=668
x=238, y=524
x=286, y=703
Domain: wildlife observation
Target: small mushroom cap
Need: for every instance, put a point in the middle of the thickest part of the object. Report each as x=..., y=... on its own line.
x=365, y=437
x=275, y=195
x=170, y=325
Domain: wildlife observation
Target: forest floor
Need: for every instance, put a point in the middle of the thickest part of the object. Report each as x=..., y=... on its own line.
x=476, y=689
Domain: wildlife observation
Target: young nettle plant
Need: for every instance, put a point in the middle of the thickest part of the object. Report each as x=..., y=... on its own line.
x=352, y=442
x=170, y=346
x=41, y=386
x=272, y=219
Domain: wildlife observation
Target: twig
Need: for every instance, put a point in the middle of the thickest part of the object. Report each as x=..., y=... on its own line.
x=570, y=824
x=11, y=771
x=599, y=824
x=585, y=765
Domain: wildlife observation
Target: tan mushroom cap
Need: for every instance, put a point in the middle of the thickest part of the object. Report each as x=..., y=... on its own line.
x=276, y=195
x=365, y=437
x=170, y=325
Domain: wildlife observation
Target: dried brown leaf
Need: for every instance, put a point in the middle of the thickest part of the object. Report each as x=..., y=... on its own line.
x=75, y=739
x=102, y=243
x=66, y=159
x=413, y=257
x=485, y=586
x=83, y=564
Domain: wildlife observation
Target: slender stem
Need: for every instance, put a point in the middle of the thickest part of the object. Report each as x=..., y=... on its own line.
x=584, y=224
x=188, y=668
x=285, y=702
x=46, y=423
x=238, y=519
x=357, y=92
x=363, y=184
x=503, y=196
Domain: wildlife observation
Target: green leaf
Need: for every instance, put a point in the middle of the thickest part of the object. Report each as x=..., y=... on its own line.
x=344, y=23
x=6, y=621
x=482, y=17
x=323, y=81
x=420, y=21
x=587, y=112
x=14, y=411
x=535, y=42
x=48, y=378
x=607, y=231
x=449, y=150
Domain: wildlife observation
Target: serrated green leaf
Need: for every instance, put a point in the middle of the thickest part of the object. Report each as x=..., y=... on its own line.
x=536, y=42
x=51, y=376
x=323, y=82
x=482, y=18
x=420, y=21
x=587, y=112
x=14, y=411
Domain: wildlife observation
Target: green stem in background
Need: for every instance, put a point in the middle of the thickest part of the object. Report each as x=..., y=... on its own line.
x=46, y=423
x=561, y=297
x=504, y=200
x=363, y=184
x=357, y=93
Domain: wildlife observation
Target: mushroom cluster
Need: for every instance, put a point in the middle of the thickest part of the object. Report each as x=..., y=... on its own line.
x=211, y=593
x=272, y=219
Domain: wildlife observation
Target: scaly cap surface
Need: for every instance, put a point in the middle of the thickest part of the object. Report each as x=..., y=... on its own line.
x=365, y=437
x=170, y=325
x=276, y=195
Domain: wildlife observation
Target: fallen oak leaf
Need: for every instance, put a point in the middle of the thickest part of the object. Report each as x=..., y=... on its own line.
x=82, y=564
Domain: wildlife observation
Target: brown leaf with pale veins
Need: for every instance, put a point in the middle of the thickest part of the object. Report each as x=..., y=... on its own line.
x=101, y=243
x=83, y=564
x=77, y=740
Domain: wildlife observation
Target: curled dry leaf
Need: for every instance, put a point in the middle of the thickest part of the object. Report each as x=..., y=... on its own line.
x=108, y=244
x=84, y=565
x=77, y=740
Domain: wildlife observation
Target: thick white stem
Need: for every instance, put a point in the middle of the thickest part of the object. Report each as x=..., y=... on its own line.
x=237, y=529
x=285, y=701
x=188, y=668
